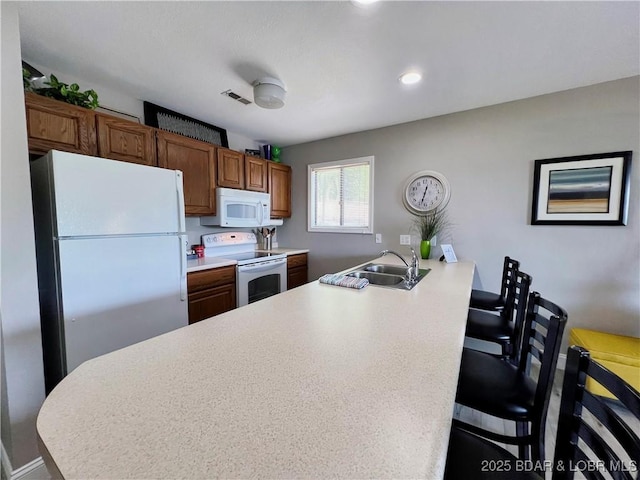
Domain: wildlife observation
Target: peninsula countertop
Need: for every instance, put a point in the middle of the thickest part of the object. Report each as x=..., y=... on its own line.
x=319, y=381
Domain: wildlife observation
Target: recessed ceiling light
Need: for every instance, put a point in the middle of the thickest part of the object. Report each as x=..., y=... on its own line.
x=363, y=2
x=410, y=78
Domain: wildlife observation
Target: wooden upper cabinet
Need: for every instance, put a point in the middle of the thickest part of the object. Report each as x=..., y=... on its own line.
x=230, y=168
x=280, y=189
x=55, y=125
x=125, y=140
x=255, y=173
x=197, y=161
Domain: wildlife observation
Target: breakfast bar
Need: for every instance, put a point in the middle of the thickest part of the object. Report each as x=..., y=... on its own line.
x=320, y=381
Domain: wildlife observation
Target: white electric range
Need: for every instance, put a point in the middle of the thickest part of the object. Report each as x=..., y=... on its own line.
x=258, y=274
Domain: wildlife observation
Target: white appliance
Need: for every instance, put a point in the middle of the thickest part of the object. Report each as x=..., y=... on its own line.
x=240, y=208
x=258, y=274
x=111, y=254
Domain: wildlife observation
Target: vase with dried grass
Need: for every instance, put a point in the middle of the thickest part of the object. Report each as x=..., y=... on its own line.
x=429, y=225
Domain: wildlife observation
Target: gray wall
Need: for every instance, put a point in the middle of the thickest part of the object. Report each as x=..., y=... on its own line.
x=23, y=380
x=488, y=156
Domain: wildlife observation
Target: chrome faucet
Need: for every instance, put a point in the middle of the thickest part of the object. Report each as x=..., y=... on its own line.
x=412, y=270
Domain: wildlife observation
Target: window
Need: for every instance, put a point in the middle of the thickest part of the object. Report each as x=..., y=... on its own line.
x=341, y=196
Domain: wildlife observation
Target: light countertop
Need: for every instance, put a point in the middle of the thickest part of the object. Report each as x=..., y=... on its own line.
x=319, y=381
x=206, y=263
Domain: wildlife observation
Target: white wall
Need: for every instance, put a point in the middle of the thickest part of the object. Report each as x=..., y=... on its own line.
x=23, y=379
x=488, y=156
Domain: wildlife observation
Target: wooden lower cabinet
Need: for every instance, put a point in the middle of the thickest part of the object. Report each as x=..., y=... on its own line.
x=211, y=292
x=197, y=161
x=297, y=269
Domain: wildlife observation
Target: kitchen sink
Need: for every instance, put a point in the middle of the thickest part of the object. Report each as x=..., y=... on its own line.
x=390, y=276
x=382, y=268
x=377, y=278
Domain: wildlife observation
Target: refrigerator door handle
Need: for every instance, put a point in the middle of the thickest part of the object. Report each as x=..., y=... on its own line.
x=180, y=193
x=183, y=267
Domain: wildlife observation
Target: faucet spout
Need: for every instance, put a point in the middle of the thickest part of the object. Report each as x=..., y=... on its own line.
x=385, y=252
x=412, y=270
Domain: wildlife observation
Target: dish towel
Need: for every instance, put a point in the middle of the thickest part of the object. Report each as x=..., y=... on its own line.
x=344, y=281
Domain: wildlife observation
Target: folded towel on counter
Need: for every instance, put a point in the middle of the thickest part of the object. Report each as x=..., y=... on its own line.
x=344, y=281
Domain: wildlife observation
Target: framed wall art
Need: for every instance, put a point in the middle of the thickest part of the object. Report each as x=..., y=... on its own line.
x=165, y=119
x=582, y=190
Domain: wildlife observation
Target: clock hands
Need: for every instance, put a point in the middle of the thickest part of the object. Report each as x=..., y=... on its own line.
x=424, y=194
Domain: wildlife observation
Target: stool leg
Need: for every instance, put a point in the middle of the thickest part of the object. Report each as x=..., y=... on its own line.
x=522, y=430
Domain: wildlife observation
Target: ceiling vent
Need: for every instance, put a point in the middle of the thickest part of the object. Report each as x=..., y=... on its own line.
x=235, y=96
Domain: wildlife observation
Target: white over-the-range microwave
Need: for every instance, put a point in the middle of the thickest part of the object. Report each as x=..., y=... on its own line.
x=241, y=208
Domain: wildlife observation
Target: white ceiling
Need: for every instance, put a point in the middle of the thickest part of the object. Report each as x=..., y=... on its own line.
x=340, y=62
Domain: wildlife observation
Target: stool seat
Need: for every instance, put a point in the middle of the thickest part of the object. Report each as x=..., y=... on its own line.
x=618, y=353
x=486, y=300
x=473, y=457
x=512, y=392
x=488, y=326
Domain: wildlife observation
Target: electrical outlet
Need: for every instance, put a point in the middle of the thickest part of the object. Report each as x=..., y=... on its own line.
x=405, y=239
x=378, y=238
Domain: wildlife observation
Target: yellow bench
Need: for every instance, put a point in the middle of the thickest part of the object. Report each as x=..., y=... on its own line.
x=618, y=353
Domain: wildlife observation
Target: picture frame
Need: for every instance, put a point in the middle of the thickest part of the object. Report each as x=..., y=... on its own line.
x=582, y=190
x=165, y=119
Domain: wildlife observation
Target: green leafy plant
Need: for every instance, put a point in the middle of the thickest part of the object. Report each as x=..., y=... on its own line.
x=431, y=223
x=26, y=80
x=62, y=91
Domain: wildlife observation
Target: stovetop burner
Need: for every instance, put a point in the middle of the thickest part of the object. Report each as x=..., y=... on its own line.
x=239, y=246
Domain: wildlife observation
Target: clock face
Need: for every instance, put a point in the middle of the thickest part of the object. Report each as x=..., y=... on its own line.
x=426, y=191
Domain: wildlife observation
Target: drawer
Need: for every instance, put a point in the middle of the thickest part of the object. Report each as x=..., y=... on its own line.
x=213, y=277
x=296, y=260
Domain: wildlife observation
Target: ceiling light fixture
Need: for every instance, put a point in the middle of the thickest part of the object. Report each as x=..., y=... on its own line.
x=268, y=92
x=410, y=78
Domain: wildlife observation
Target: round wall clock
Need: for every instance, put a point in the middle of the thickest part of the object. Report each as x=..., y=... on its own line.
x=425, y=191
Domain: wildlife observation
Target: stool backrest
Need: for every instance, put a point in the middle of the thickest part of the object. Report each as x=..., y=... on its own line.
x=541, y=339
x=509, y=269
x=516, y=307
x=596, y=434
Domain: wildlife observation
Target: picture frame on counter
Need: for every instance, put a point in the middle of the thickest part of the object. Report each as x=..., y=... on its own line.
x=582, y=190
x=165, y=119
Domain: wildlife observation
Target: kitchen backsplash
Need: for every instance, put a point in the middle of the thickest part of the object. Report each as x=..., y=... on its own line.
x=195, y=230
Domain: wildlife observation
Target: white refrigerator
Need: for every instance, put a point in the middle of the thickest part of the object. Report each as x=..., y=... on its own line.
x=111, y=255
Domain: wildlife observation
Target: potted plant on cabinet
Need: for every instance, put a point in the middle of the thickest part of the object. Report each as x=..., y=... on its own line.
x=61, y=91
x=429, y=225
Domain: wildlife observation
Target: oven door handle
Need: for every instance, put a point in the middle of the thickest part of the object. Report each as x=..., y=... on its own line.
x=262, y=267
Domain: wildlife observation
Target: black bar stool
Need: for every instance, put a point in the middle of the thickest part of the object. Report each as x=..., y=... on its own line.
x=495, y=301
x=473, y=457
x=504, y=327
x=511, y=391
x=621, y=458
